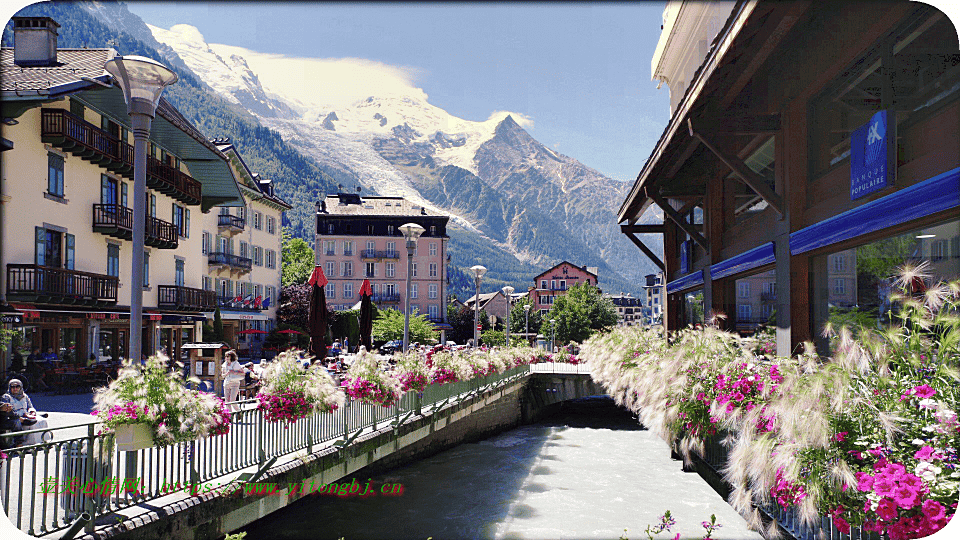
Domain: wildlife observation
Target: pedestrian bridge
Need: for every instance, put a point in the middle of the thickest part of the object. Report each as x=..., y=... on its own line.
x=75, y=486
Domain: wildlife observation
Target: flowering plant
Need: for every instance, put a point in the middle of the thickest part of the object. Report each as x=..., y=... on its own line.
x=154, y=395
x=367, y=380
x=412, y=370
x=290, y=392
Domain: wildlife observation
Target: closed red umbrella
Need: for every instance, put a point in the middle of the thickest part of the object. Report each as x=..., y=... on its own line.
x=317, y=323
x=366, y=315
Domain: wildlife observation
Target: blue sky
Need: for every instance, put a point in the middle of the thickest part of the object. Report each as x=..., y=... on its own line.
x=581, y=72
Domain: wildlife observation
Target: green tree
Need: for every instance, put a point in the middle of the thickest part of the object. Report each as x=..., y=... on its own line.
x=492, y=338
x=518, y=317
x=579, y=314
x=389, y=326
x=461, y=319
x=217, y=325
x=296, y=260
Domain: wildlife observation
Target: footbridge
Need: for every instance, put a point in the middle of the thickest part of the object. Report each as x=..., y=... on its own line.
x=75, y=486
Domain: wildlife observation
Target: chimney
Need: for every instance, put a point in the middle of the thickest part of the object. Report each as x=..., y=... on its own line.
x=35, y=41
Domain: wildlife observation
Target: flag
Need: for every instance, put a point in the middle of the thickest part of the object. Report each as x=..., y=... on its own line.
x=257, y=301
x=266, y=303
x=238, y=299
x=247, y=300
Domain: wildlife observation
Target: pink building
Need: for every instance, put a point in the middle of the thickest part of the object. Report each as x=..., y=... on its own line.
x=359, y=238
x=555, y=282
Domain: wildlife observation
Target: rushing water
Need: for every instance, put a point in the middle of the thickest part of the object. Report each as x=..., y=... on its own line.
x=588, y=472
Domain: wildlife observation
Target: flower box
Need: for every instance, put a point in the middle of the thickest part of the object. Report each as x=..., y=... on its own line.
x=131, y=437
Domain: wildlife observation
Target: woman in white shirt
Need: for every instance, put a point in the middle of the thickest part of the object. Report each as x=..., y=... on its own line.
x=233, y=375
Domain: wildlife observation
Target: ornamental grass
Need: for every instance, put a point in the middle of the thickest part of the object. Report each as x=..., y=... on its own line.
x=369, y=380
x=868, y=436
x=290, y=392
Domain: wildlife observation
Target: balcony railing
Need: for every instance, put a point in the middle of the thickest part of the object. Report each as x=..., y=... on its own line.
x=231, y=222
x=65, y=130
x=48, y=285
x=385, y=298
x=117, y=221
x=231, y=260
x=768, y=297
x=180, y=298
x=374, y=254
x=242, y=304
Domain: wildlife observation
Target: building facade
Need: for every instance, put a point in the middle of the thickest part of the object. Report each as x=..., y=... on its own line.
x=66, y=217
x=556, y=281
x=815, y=150
x=653, y=297
x=241, y=245
x=494, y=304
x=359, y=238
x=630, y=309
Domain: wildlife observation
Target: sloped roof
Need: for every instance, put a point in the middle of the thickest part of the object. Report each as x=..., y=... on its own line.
x=592, y=270
x=484, y=299
x=72, y=66
x=248, y=181
x=374, y=206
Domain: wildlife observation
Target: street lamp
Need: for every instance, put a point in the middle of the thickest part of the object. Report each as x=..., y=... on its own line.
x=553, y=335
x=142, y=81
x=411, y=232
x=526, y=332
x=508, y=292
x=478, y=272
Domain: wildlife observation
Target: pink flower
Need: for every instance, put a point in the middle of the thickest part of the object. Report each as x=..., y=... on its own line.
x=933, y=510
x=864, y=482
x=905, y=497
x=924, y=391
x=887, y=510
x=924, y=454
x=839, y=437
x=841, y=524
x=912, y=481
x=884, y=486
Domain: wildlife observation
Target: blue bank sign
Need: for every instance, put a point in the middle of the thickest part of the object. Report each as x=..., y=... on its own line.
x=871, y=155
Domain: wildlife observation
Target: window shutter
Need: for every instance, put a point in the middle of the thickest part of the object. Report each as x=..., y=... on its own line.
x=186, y=226
x=40, y=249
x=71, y=245
x=123, y=194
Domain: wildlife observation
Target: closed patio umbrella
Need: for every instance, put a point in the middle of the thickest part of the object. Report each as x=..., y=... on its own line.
x=366, y=315
x=317, y=324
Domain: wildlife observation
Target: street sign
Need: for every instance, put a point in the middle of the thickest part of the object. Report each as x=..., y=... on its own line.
x=479, y=327
x=11, y=319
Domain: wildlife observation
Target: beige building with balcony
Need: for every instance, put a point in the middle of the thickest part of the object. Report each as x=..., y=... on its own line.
x=241, y=249
x=66, y=216
x=359, y=238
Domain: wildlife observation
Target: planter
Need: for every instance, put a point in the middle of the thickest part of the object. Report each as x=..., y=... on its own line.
x=131, y=437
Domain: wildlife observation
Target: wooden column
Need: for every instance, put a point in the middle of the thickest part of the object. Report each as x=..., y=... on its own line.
x=670, y=308
x=714, y=224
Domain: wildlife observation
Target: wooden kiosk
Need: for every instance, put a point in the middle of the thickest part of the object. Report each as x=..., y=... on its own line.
x=206, y=360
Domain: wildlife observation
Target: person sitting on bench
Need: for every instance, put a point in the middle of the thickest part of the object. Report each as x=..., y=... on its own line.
x=23, y=409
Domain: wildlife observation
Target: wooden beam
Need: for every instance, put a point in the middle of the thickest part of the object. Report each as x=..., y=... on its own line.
x=641, y=229
x=745, y=125
x=678, y=219
x=752, y=179
x=646, y=251
x=685, y=154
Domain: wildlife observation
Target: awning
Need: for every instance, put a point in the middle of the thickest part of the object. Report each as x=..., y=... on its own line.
x=239, y=316
x=442, y=326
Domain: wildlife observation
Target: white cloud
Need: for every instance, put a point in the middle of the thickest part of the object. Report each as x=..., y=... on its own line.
x=521, y=119
x=327, y=82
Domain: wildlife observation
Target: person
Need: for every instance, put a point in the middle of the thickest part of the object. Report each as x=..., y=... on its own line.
x=22, y=408
x=335, y=349
x=233, y=376
x=346, y=345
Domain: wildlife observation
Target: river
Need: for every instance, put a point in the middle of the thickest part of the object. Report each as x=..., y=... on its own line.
x=589, y=471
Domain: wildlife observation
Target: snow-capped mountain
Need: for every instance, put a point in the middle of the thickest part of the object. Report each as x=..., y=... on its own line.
x=370, y=122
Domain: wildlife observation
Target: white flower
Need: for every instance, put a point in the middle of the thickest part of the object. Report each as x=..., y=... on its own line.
x=928, y=404
x=929, y=428
x=919, y=442
x=955, y=474
x=926, y=470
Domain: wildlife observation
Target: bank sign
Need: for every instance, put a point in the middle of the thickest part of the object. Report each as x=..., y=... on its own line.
x=872, y=151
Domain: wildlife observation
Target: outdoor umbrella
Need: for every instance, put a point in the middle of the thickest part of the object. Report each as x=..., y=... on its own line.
x=251, y=331
x=289, y=331
x=317, y=324
x=366, y=315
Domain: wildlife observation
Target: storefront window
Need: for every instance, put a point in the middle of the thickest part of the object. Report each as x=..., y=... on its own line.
x=69, y=344
x=693, y=307
x=756, y=302
x=853, y=286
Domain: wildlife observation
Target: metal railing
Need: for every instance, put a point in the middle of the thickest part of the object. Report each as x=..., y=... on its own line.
x=229, y=259
x=60, y=286
x=117, y=221
x=66, y=130
x=226, y=220
x=43, y=487
x=385, y=298
x=180, y=298
x=374, y=254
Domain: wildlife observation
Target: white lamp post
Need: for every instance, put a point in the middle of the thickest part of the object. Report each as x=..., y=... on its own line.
x=508, y=292
x=553, y=335
x=526, y=332
x=411, y=232
x=142, y=81
x=478, y=272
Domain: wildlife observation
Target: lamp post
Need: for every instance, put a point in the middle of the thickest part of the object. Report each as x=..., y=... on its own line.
x=411, y=232
x=526, y=332
x=508, y=291
x=553, y=335
x=478, y=272
x=142, y=81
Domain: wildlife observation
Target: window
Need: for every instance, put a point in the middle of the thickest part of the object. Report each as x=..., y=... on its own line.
x=743, y=311
x=414, y=290
x=123, y=193
x=553, y=284
x=766, y=310
x=347, y=248
x=258, y=221
x=369, y=229
x=54, y=248
x=370, y=270
x=839, y=263
x=330, y=228
x=656, y=299
x=563, y=284
x=331, y=290
x=178, y=272
x=433, y=230
x=258, y=255
x=331, y=268
x=271, y=258
x=330, y=247
x=938, y=250
x=390, y=289
x=244, y=249
x=55, y=174
x=414, y=309
x=271, y=225
x=770, y=289
x=186, y=223
x=433, y=248
x=348, y=290
x=207, y=283
x=434, y=311
x=433, y=269
x=432, y=290
x=391, y=269
x=205, y=243
x=346, y=269
x=743, y=289
x=146, y=268
x=113, y=260
x=391, y=248
x=390, y=230
x=413, y=270
x=371, y=246
x=543, y=284
x=108, y=190
x=839, y=286
x=179, y=221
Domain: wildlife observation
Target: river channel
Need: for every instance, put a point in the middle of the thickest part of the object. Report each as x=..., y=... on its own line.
x=589, y=471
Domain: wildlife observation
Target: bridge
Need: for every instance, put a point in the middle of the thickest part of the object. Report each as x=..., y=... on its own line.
x=77, y=486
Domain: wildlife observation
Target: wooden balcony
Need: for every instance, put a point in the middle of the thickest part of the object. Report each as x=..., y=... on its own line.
x=230, y=224
x=48, y=285
x=231, y=261
x=374, y=254
x=63, y=129
x=179, y=298
x=117, y=221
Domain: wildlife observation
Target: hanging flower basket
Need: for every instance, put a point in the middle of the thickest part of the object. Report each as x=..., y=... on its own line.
x=290, y=393
x=366, y=381
x=131, y=437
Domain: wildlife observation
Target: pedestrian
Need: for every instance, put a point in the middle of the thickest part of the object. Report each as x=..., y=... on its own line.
x=346, y=345
x=233, y=376
x=22, y=408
